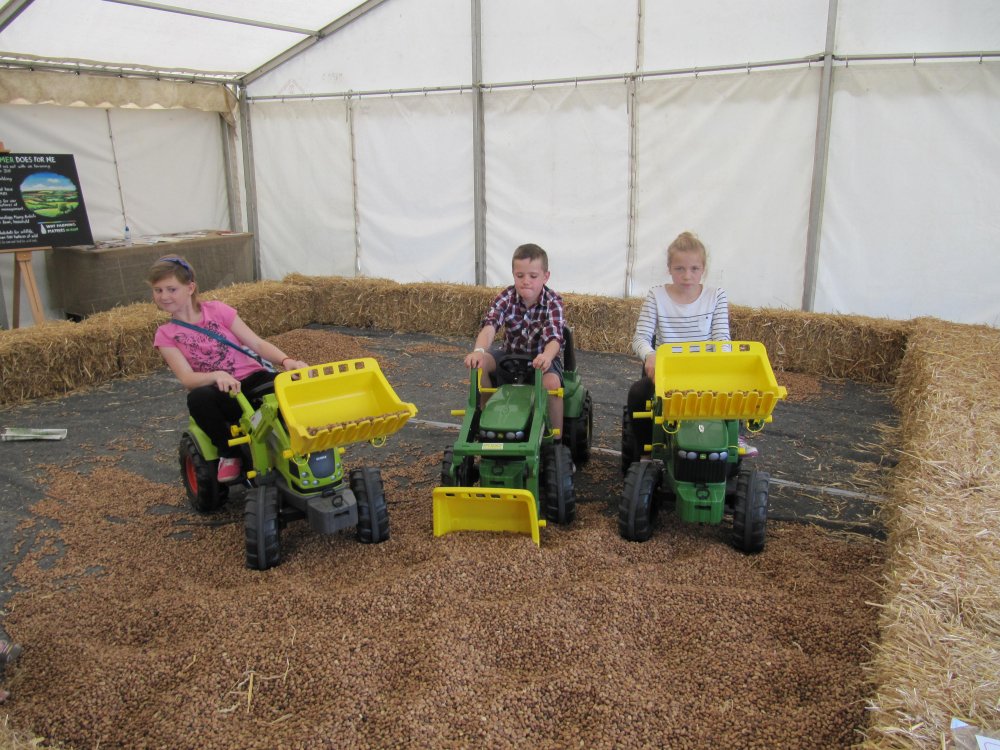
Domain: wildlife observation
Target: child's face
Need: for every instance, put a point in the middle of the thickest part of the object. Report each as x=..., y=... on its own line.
x=529, y=278
x=687, y=268
x=171, y=294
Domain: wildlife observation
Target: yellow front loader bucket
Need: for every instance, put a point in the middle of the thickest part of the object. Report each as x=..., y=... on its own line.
x=338, y=403
x=486, y=509
x=716, y=380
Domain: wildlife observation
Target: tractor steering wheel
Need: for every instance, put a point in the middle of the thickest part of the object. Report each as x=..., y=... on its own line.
x=256, y=394
x=515, y=369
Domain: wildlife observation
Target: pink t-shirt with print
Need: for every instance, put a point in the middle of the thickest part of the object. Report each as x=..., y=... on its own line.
x=204, y=353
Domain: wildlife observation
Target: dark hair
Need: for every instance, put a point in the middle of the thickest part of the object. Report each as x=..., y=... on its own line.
x=530, y=252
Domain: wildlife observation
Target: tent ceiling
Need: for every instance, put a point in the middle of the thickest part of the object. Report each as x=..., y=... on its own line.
x=222, y=40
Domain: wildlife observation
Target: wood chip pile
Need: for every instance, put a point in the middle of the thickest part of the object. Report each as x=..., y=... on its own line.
x=162, y=639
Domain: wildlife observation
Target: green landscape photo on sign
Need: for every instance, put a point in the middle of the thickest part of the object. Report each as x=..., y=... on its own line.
x=49, y=194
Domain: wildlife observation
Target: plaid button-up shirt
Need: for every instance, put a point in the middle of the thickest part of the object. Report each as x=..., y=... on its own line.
x=527, y=329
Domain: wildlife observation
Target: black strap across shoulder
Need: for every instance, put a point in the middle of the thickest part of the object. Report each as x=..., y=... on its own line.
x=246, y=350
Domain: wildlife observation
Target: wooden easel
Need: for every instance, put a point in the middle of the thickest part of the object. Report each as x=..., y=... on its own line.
x=23, y=271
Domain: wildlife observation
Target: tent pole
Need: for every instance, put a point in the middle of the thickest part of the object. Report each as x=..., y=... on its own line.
x=478, y=144
x=356, y=215
x=228, y=134
x=820, y=159
x=250, y=180
x=633, y=141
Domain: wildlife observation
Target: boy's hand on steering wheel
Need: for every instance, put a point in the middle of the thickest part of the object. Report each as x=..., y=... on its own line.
x=542, y=362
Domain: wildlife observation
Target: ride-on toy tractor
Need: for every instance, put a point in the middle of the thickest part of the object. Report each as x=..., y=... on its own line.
x=293, y=436
x=507, y=446
x=703, y=390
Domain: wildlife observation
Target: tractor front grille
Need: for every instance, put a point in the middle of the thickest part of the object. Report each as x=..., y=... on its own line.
x=700, y=470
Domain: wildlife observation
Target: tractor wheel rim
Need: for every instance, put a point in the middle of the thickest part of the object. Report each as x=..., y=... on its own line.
x=189, y=472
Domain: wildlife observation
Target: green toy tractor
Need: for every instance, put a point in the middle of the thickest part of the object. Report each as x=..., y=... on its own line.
x=703, y=391
x=506, y=472
x=292, y=433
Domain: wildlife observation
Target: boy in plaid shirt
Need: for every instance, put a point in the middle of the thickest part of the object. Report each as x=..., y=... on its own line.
x=532, y=318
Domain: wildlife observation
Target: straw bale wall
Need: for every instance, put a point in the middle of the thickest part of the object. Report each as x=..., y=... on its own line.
x=939, y=654
x=867, y=350
x=54, y=357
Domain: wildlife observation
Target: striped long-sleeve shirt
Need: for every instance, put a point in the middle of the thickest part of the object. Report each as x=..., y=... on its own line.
x=663, y=321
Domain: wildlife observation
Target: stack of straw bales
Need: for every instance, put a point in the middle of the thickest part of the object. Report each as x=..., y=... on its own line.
x=939, y=655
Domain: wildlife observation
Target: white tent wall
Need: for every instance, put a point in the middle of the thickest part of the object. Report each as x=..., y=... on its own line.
x=399, y=44
x=557, y=175
x=305, y=194
x=912, y=219
x=745, y=188
x=415, y=214
x=867, y=27
x=170, y=173
x=527, y=40
x=361, y=175
x=683, y=34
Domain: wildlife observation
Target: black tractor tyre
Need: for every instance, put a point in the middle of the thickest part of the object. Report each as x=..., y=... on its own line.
x=204, y=492
x=373, y=513
x=750, y=510
x=631, y=452
x=262, y=527
x=466, y=474
x=579, y=431
x=556, y=485
x=640, y=503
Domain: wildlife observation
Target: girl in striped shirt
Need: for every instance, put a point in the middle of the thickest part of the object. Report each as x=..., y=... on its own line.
x=683, y=310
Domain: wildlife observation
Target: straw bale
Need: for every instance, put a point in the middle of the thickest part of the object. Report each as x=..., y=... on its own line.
x=602, y=324
x=53, y=358
x=939, y=655
x=269, y=307
x=446, y=309
x=342, y=301
x=853, y=347
x=131, y=328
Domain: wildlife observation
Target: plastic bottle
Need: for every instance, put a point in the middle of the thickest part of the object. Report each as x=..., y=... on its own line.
x=128, y=235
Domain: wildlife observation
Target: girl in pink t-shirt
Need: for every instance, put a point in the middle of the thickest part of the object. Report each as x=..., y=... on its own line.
x=208, y=368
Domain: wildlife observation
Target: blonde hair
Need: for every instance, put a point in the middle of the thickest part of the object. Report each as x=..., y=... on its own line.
x=687, y=242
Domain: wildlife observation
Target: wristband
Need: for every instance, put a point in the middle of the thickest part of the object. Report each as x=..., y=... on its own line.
x=479, y=350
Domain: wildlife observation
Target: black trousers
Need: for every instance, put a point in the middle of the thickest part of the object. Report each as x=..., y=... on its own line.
x=215, y=411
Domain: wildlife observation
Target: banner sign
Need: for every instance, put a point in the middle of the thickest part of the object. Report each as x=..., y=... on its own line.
x=41, y=203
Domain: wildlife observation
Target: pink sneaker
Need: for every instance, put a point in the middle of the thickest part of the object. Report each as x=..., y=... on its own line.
x=229, y=470
x=747, y=450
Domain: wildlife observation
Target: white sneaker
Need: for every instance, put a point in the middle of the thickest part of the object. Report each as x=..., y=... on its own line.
x=747, y=450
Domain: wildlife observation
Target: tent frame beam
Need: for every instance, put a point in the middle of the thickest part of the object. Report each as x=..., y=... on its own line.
x=478, y=145
x=820, y=160
x=146, y=4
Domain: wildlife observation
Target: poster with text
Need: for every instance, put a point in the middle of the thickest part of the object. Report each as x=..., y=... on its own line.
x=41, y=204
